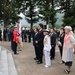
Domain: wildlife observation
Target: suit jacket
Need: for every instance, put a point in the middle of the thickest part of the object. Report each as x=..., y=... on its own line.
x=35, y=39
x=61, y=38
x=40, y=38
x=11, y=35
x=53, y=39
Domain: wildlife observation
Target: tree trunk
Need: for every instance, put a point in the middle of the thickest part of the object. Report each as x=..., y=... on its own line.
x=5, y=23
x=53, y=17
x=31, y=25
x=47, y=21
x=31, y=21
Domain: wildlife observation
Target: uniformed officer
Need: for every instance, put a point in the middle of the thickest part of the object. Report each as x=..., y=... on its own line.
x=15, y=39
x=47, y=49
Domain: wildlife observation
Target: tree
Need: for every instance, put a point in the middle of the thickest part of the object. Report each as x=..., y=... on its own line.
x=9, y=10
x=47, y=10
x=31, y=14
x=69, y=17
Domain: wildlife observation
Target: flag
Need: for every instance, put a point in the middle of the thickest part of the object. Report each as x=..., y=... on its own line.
x=20, y=44
x=19, y=28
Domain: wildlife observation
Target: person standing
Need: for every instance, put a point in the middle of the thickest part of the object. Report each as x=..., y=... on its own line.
x=40, y=44
x=61, y=41
x=53, y=43
x=8, y=34
x=47, y=48
x=5, y=34
x=33, y=33
x=11, y=37
x=0, y=35
x=15, y=39
x=29, y=35
x=69, y=44
x=25, y=35
x=35, y=44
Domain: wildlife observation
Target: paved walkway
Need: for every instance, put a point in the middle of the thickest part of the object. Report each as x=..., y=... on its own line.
x=27, y=66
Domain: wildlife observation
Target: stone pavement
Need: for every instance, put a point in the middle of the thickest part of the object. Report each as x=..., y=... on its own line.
x=27, y=66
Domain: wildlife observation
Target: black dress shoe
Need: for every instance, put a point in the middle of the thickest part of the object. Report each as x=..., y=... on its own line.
x=52, y=58
x=35, y=58
x=16, y=53
x=39, y=62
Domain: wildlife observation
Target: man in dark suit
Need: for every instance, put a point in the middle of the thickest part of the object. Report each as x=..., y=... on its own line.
x=35, y=44
x=25, y=35
x=40, y=43
x=53, y=43
x=29, y=35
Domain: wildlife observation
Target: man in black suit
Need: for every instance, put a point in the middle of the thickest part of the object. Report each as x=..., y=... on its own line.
x=25, y=35
x=53, y=43
x=29, y=35
x=40, y=43
x=35, y=44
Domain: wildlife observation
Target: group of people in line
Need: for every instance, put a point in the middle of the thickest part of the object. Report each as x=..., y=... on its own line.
x=45, y=43
x=27, y=35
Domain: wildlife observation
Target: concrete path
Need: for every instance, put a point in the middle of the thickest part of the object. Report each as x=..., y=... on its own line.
x=27, y=66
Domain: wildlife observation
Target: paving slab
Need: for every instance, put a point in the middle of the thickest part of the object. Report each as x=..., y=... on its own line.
x=26, y=65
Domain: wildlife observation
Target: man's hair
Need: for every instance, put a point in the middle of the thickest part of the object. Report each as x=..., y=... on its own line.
x=53, y=29
x=37, y=29
x=41, y=25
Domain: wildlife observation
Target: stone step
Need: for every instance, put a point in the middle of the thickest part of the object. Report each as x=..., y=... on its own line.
x=4, y=63
x=11, y=65
x=0, y=60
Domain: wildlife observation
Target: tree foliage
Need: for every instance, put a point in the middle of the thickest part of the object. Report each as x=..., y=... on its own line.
x=48, y=11
x=9, y=10
x=30, y=14
x=69, y=17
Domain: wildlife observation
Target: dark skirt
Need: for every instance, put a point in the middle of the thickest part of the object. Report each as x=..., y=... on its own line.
x=68, y=63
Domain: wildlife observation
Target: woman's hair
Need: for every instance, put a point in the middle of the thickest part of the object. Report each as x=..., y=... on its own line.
x=63, y=30
x=37, y=29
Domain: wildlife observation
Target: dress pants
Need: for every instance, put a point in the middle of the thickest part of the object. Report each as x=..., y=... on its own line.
x=36, y=51
x=25, y=38
x=15, y=47
x=47, y=58
x=12, y=45
x=29, y=37
x=40, y=53
x=61, y=50
x=52, y=52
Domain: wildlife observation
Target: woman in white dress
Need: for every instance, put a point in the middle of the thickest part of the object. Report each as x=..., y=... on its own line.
x=47, y=48
x=69, y=44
